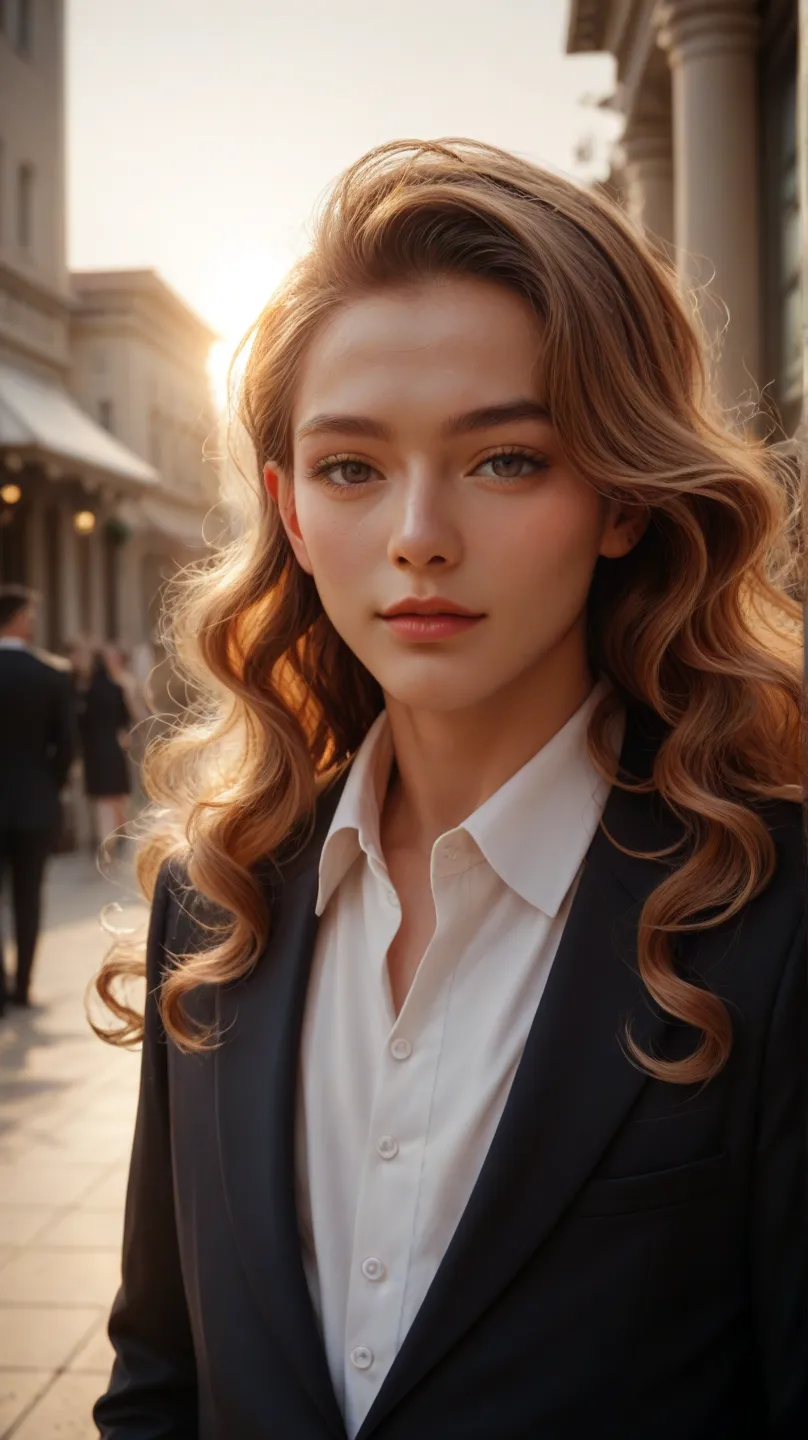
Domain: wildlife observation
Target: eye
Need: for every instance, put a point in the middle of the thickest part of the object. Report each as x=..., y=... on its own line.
x=513, y=464
x=341, y=472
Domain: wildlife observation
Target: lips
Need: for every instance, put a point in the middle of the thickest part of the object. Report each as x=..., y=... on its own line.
x=433, y=607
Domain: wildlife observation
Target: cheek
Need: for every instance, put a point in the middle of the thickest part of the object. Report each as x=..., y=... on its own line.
x=336, y=540
x=554, y=544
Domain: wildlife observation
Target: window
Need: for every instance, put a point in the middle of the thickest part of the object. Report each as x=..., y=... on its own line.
x=105, y=414
x=25, y=206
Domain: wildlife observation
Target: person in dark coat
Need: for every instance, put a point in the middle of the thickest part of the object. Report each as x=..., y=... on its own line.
x=104, y=722
x=37, y=743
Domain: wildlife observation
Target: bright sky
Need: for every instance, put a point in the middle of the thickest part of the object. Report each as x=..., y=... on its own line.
x=201, y=134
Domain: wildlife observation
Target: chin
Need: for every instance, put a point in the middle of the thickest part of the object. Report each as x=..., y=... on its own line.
x=439, y=694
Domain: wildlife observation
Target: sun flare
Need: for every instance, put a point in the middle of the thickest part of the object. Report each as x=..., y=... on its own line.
x=237, y=290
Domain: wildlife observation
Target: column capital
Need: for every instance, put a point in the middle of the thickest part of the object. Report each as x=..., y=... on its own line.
x=693, y=28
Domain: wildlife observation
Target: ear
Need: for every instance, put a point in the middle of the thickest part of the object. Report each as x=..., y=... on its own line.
x=282, y=492
x=625, y=526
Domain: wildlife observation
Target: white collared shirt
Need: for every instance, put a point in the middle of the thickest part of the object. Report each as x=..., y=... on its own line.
x=395, y=1116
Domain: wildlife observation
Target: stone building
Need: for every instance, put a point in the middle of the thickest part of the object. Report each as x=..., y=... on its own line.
x=708, y=165
x=101, y=489
x=139, y=358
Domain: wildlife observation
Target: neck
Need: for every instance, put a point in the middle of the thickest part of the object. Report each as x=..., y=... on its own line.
x=448, y=764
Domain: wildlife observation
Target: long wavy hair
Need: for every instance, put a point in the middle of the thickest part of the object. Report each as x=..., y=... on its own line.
x=699, y=625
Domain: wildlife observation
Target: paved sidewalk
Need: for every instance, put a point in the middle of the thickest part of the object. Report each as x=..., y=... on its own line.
x=66, y=1114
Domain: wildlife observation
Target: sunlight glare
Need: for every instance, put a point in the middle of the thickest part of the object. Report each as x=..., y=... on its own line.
x=237, y=290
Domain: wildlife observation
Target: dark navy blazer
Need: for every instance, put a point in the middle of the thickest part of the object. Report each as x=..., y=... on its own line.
x=632, y=1263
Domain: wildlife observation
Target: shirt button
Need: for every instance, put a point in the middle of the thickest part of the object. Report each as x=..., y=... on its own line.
x=401, y=1049
x=387, y=1147
x=451, y=852
x=373, y=1269
x=392, y=897
x=362, y=1357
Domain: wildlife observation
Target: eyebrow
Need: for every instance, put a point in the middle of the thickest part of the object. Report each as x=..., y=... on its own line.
x=485, y=418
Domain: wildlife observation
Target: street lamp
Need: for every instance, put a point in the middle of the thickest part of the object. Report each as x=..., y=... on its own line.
x=84, y=522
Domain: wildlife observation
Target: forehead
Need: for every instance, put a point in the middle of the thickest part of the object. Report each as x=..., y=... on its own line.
x=444, y=342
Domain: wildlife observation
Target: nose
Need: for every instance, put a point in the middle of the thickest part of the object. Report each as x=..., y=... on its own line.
x=424, y=531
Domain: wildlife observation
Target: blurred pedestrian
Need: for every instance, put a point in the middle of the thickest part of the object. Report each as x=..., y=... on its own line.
x=121, y=669
x=104, y=721
x=37, y=743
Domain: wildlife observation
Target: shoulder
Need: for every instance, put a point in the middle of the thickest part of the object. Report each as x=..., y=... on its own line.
x=181, y=916
x=55, y=663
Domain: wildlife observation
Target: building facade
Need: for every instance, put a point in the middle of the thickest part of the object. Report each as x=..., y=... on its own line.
x=101, y=490
x=139, y=367
x=708, y=166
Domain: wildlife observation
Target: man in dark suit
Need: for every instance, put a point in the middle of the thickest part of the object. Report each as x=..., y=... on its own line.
x=37, y=743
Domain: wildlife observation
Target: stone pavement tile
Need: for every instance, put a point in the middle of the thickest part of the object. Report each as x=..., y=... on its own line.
x=78, y=1140
x=109, y=1193
x=17, y=1389
x=65, y=1410
x=60, y=1277
x=20, y=1223
x=83, y=1229
x=97, y=1355
x=37, y=1337
x=53, y=1182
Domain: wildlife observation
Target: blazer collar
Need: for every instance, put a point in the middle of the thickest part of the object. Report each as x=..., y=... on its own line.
x=542, y=1153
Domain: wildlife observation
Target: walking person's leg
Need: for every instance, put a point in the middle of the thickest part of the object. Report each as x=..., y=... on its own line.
x=105, y=820
x=28, y=853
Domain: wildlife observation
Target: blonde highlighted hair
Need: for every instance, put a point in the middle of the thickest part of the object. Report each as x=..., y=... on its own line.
x=699, y=624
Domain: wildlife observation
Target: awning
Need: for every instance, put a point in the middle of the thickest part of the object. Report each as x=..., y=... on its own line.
x=38, y=416
x=179, y=523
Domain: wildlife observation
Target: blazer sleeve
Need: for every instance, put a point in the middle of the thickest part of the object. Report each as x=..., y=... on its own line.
x=152, y=1392
x=780, y=1204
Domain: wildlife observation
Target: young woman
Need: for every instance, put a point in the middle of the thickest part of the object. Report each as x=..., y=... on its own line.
x=473, y=1094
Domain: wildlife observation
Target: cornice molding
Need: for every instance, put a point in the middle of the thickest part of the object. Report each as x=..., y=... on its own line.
x=694, y=28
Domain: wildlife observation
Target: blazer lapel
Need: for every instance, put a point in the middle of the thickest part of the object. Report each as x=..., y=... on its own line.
x=256, y=1066
x=573, y=1087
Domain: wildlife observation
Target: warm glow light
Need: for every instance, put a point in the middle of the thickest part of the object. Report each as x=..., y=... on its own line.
x=238, y=290
x=11, y=494
x=84, y=522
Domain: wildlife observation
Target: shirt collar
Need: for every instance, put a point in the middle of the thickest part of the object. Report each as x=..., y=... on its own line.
x=12, y=642
x=534, y=831
x=356, y=823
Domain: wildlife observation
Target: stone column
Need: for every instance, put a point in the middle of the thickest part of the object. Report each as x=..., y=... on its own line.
x=71, y=625
x=648, y=152
x=712, y=46
x=37, y=567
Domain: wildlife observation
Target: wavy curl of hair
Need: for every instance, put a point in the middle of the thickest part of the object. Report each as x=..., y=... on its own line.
x=699, y=624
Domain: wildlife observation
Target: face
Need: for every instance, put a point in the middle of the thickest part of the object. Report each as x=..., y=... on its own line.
x=425, y=468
